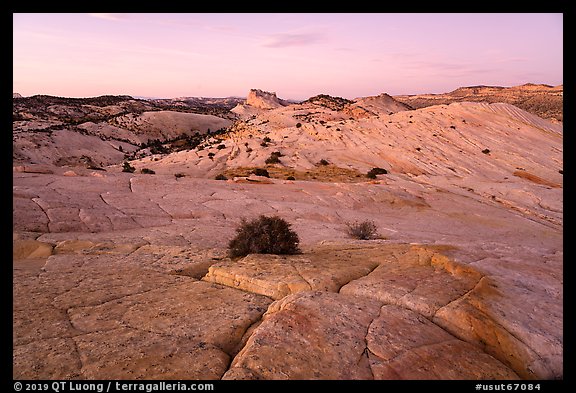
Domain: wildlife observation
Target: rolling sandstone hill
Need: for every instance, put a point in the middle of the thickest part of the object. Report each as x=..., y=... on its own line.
x=125, y=275
x=105, y=130
x=543, y=100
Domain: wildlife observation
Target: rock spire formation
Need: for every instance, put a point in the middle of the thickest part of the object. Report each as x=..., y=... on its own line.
x=263, y=99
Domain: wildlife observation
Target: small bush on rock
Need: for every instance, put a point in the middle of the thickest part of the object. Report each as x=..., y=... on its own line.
x=376, y=171
x=126, y=167
x=264, y=235
x=274, y=158
x=364, y=230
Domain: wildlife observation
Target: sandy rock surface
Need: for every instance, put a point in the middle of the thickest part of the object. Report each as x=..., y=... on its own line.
x=124, y=320
x=126, y=275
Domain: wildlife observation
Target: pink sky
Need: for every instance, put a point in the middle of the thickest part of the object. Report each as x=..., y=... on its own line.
x=294, y=55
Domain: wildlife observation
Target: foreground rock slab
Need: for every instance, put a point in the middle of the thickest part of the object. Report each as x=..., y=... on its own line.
x=278, y=276
x=91, y=317
x=418, y=278
x=127, y=275
x=405, y=345
x=320, y=334
x=326, y=335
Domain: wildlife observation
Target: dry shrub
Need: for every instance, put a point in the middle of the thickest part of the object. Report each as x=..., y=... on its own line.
x=364, y=230
x=274, y=158
x=264, y=235
x=375, y=172
x=126, y=167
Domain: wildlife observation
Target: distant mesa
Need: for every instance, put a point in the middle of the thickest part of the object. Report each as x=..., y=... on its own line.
x=16, y=95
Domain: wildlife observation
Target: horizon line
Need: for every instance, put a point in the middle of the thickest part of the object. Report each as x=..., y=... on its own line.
x=145, y=97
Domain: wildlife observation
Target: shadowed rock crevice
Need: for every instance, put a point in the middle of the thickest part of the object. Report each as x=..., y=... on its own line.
x=35, y=200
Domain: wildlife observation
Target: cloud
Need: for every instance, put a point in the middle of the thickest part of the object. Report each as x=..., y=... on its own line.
x=454, y=70
x=109, y=16
x=434, y=67
x=291, y=39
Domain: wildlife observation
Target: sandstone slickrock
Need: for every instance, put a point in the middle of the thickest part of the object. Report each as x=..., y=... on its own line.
x=125, y=320
x=320, y=335
x=382, y=103
x=125, y=275
x=542, y=100
x=52, y=358
x=85, y=277
x=194, y=324
x=279, y=276
x=417, y=279
x=326, y=335
x=134, y=354
x=405, y=345
x=495, y=324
